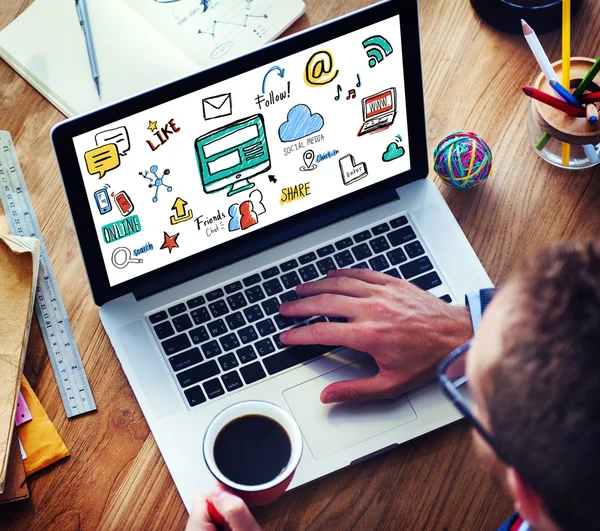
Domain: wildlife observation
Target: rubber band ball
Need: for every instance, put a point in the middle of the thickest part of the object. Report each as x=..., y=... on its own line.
x=463, y=160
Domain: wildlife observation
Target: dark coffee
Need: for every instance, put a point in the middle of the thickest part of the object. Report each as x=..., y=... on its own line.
x=252, y=450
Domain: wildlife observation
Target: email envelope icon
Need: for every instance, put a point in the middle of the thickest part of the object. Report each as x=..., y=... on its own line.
x=217, y=106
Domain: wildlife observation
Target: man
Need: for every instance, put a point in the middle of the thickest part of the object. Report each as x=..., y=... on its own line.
x=533, y=372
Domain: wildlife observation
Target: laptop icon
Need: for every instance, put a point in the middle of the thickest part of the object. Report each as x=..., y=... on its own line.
x=379, y=111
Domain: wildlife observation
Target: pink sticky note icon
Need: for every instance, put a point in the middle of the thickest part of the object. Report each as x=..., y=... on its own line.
x=23, y=414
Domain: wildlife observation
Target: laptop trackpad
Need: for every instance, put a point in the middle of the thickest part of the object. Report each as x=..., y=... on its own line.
x=330, y=428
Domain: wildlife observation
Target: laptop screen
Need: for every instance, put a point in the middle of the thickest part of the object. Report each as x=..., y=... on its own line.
x=185, y=176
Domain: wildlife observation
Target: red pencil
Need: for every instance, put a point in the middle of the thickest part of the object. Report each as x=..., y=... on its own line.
x=571, y=110
x=590, y=98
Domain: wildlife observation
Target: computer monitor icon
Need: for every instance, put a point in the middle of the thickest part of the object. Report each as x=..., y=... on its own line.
x=230, y=156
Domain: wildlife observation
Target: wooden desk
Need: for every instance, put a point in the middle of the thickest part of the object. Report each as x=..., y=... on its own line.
x=116, y=477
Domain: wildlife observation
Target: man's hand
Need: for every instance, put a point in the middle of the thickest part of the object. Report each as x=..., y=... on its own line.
x=236, y=514
x=407, y=330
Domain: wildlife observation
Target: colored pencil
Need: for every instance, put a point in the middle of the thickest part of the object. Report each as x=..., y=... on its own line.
x=546, y=98
x=592, y=97
x=566, y=68
x=591, y=113
x=538, y=51
x=589, y=77
x=564, y=93
x=591, y=153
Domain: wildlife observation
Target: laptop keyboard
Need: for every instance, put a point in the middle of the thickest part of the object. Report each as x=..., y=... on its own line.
x=226, y=338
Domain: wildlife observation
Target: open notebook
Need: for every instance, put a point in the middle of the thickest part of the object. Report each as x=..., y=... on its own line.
x=139, y=43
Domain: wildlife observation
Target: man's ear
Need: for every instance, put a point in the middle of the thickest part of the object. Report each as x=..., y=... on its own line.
x=527, y=502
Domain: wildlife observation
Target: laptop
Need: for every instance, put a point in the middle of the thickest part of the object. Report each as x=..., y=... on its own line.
x=200, y=206
x=379, y=111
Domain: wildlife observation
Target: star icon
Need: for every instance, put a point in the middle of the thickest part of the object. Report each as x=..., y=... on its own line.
x=152, y=126
x=170, y=242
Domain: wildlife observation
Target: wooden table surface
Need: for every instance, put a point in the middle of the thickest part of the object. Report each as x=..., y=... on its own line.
x=116, y=478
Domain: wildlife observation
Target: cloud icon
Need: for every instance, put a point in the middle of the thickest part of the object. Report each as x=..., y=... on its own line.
x=300, y=123
x=393, y=151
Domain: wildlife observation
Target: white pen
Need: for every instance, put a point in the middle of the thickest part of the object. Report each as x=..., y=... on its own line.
x=538, y=51
x=84, y=20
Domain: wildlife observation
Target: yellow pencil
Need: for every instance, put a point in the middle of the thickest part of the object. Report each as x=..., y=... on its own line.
x=566, y=66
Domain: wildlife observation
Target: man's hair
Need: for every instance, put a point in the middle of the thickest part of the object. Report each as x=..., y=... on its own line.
x=544, y=399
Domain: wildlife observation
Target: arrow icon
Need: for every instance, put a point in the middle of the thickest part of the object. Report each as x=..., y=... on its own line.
x=272, y=178
x=280, y=73
x=180, y=213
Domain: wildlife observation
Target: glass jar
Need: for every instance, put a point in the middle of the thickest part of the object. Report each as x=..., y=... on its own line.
x=548, y=128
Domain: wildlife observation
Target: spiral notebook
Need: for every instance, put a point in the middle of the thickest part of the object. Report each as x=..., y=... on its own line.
x=139, y=43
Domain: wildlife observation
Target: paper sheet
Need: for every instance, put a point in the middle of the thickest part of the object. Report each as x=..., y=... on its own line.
x=211, y=31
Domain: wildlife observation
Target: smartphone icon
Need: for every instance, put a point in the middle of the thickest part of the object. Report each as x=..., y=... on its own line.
x=124, y=203
x=102, y=201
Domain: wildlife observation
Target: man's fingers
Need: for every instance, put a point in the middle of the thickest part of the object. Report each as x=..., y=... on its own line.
x=374, y=387
x=331, y=334
x=199, y=519
x=234, y=510
x=340, y=285
x=366, y=275
x=324, y=304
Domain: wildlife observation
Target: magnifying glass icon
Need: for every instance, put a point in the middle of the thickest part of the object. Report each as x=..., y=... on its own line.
x=121, y=258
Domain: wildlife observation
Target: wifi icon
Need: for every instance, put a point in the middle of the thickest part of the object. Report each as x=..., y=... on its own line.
x=378, y=49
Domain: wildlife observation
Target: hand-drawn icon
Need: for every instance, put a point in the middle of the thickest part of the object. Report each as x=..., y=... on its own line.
x=118, y=230
x=144, y=249
x=124, y=203
x=248, y=216
x=102, y=159
x=377, y=49
x=280, y=73
x=234, y=214
x=358, y=85
x=293, y=193
x=352, y=172
x=217, y=106
x=272, y=98
x=163, y=133
x=339, y=91
x=394, y=150
x=309, y=161
x=180, y=213
x=272, y=178
x=152, y=126
x=300, y=123
x=118, y=136
x=121, y=258
x=157, y=181
x=170, y=242
x=230, y=156
x=319, y=69
x=379, y=111
x=351, y=94
x=102, y=201
x=256, y=197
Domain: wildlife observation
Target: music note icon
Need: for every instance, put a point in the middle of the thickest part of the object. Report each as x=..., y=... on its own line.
x=351, y=93
x=359, y=83
x=339, y=90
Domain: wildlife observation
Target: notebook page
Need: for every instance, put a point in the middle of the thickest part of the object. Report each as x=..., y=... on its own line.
x=46, y=45
x=213, y=31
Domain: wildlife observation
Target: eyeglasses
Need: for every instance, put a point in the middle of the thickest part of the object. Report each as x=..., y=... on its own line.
x=452, y=376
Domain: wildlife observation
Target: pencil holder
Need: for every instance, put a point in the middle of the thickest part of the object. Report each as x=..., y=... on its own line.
x=548, y=128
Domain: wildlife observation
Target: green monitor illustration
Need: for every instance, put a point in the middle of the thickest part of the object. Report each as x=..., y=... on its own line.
x=230, y=156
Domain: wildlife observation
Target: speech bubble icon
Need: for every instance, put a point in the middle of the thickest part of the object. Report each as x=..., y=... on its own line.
x=118, y=136
x=102, y=159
